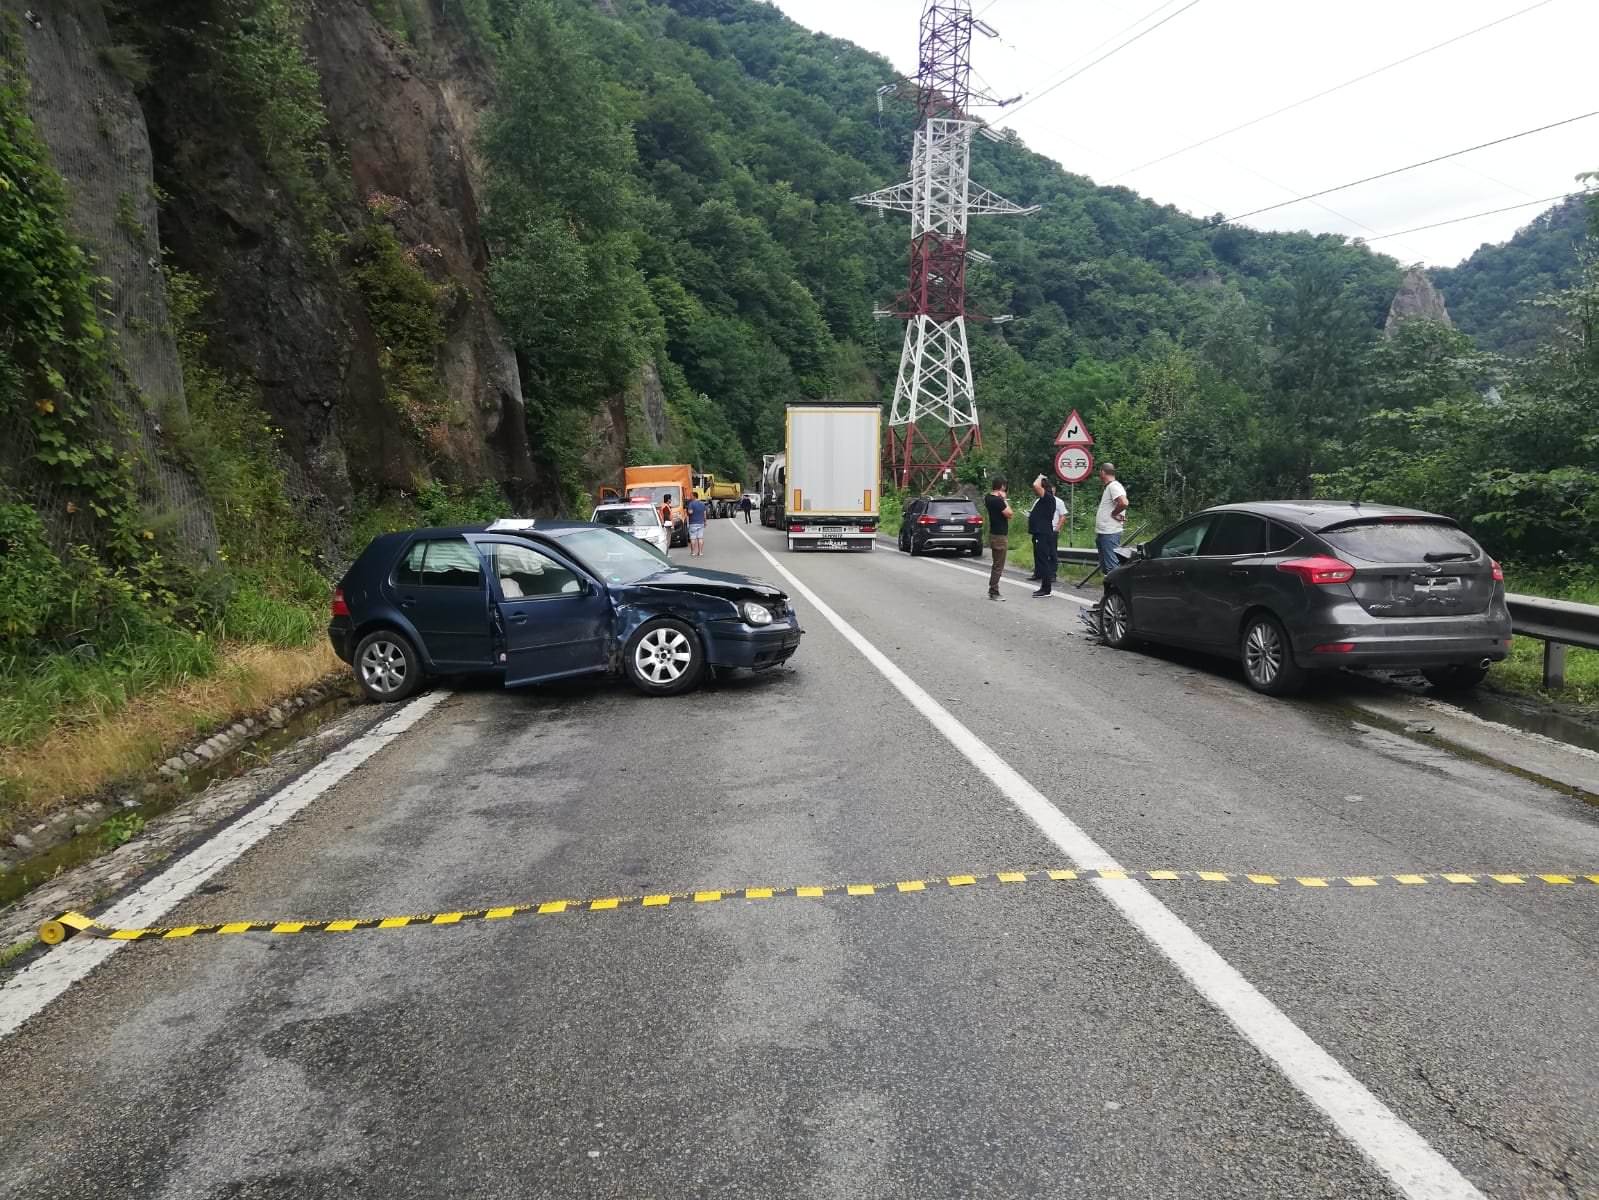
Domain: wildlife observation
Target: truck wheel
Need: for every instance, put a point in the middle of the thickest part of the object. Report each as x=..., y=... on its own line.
x=664, y=658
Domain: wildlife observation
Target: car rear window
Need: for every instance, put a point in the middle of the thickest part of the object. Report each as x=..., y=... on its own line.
x=951, y=508
x=642, y=515
x=1402, y=542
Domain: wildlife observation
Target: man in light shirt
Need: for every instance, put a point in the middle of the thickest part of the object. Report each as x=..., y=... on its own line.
x=1111, y=518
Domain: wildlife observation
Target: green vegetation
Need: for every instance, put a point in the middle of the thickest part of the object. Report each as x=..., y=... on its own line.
x=405, y=311
x=1493, y=295
x=1523, y=671
x=121, y=829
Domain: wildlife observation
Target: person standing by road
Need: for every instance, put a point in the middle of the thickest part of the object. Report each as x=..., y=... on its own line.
x=1044, y=524
x=744, y=506
x=998, y=506
x=696, y=527
x=1111, y=518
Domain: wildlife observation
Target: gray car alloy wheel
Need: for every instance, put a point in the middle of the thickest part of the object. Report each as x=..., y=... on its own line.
x=384, y=667
x=662, y=655
x=1113, y=619
x=1263, y=653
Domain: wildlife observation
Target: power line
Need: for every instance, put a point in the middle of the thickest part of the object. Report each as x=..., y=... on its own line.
x=1491, y=212
x=1401, y=170
x=1329, y=91
x=1054, y=70
x=1114, y=50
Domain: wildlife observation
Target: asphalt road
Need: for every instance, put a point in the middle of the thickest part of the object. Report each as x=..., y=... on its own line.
x=992, y=1040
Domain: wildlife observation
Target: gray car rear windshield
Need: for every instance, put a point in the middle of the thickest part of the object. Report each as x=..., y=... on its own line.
x=642, y=515
x=1403, y=542
x=951, y=508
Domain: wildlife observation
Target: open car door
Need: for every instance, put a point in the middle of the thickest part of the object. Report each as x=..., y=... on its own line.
x=556, y=621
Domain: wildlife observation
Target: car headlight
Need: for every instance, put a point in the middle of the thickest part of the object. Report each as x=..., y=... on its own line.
x=755, y=614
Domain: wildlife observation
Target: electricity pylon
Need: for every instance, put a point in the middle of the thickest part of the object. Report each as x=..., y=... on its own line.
x=934, y=416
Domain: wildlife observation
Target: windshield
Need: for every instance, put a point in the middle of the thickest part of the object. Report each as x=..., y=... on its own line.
x=614, y=557
x=626, y=517
x=656, y=494
x=951, y=508
x=1403, y=542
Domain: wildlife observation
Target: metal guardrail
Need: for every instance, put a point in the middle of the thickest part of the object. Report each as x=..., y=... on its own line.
x=1557, y=623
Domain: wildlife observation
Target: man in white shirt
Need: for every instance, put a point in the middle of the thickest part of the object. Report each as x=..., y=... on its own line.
x=1111, y=517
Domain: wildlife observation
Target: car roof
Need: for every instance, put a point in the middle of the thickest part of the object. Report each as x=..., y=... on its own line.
x=946, y=499
x=1322, y=514
x=647, y=505
x=543, y=527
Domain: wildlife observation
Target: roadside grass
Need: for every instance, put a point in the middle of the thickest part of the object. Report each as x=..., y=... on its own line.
x=107, y=742
x=1523, y=670
x=16, y=949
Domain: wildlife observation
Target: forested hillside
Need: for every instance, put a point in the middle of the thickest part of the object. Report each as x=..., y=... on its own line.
x=275, y=274
x=1493, y=294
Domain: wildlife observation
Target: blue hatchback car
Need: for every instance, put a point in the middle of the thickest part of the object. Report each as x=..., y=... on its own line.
x=535, y=602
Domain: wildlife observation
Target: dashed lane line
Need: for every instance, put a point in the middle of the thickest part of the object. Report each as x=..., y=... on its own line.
x=75, y=924
x=1409, y=1161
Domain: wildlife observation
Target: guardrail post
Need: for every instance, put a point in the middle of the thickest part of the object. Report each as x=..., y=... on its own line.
x=1554, y=664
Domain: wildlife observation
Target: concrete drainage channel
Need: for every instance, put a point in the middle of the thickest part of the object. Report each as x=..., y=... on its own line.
x=34, y=862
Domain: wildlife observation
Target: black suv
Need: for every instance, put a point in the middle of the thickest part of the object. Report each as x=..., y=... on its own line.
x=941, y=523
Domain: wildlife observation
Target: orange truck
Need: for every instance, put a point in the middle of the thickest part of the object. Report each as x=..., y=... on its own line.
x=660, y=483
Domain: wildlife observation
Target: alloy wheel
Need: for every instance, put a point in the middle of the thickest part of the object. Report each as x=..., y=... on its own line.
x=1263, y=653
x=1114, y=618
x=384, y=667
x=662, y=655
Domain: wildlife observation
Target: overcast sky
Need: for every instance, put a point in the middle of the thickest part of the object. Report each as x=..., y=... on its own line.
x=1223, y=62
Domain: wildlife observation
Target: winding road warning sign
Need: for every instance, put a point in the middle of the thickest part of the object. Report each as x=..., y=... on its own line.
x=1074, y=432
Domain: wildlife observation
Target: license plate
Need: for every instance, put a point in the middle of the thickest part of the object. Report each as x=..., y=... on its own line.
x=954, y=529
x=832, y=543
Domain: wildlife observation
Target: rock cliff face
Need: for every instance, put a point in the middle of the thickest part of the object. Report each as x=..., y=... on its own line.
x=91, y=119
x=285, y=311
x=1417, y=297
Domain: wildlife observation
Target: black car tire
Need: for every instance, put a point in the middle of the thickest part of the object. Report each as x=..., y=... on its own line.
x=664, y=657
x=916, y=550
x=1267, y=657
x=976, y=552
x=387, y=666
x=1116, y=620
x=1458, y=678
x=904, y=542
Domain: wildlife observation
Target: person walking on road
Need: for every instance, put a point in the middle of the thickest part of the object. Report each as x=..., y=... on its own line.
x=744, y=506
x=696, y=527
x=1111, y=518
x=998, y=506
x=1044, y=524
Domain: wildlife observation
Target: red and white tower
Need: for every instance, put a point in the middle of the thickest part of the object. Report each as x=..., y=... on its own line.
x=934, y=417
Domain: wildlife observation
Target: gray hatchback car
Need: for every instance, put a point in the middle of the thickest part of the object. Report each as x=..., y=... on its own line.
x=1291, y=587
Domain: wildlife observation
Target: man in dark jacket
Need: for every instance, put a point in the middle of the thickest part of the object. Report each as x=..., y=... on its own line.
x=1043, y=523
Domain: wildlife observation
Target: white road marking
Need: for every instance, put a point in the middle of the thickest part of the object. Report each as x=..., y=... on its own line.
x=41, y=982
x=1021, y=583
x=1391, y=1145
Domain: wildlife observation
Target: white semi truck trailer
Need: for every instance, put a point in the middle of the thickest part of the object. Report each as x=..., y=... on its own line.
x=832, y=476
